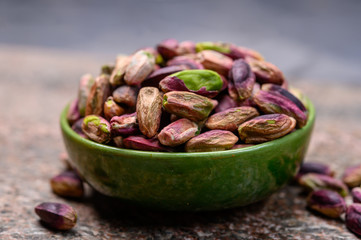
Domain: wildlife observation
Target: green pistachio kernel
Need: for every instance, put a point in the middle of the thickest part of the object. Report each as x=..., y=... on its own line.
x=216, y=46
x=198, y=78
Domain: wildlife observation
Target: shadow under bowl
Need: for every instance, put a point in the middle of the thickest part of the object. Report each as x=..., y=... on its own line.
x=189, y=181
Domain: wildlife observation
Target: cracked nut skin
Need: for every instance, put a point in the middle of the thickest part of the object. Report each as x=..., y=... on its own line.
x=99, y=92
x=117, y=75
x=215, y=61
x=97, y=129
x=142, y=63
x=230, y=119
x=124, y=125
x=112, y=109
x=327, y=202
x=57, y=215
x=313, y=167
x=126, y=95
x=144, y=144
x=168, y=48
x=67, y=184
x=353, y=218
x=156, y=76
x=266, y=128
x=149, y=110
x=188, y=105
x=185, y=60
x=352, y=176
x=214, y=140
x=85, y=85
x=178, y=132
x=315, y=181
x=269, y=102
x=242, y=78
x=73, y=113
x=199, y=81
x=356, y=195
x=266, y=72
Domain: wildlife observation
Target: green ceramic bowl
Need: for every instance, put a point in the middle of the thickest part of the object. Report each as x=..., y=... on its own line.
x=190, y=181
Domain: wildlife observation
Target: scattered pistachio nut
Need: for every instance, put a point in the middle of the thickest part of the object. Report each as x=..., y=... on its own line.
x=315, y=181
x=111, y=108
x=266, y=128
x=327, y=202
x=230, y=119
x=149, y=110
x=215, y=61
x=124, y=125
x=353, y=218
x=126, y=95
x=67, y=184
x=352, y=176
x=188, y=105
x=214, y=140
x=85, y=85
x=202, y=82
x=99, y=92
x=178, y=132
x=356, y=195
x=57, y=215
x=141, y=64
x=97, y=129
x=314, y=167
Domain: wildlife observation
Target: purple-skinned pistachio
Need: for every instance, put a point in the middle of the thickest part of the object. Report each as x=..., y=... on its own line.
x=126, y=95
x=269, y=87
x=266, y=128
x=117, y=75
x=199, y=81
x=144, y=144
x=237, y=52
x=237, y=146
x=149, y=110
x=97, y=129
x=327, y=202
x=141, y=64
x=168, y=48
x=186, y=47
x=230, y=119
x=214, y=140
x=353, y=218
x=313, y=167
x=224, y=103
x=111, y=108
x=156, y=76
x=67, y=184
x=99, y=92
x=178, y=132
x=266, y=72
x=186, y=60
x=315, y=181
x=57, y=215
x=356, y=195
x=270, y=102
x=215, y=61
x=124, y=125
x=352, y=176
x=242, y=79
x=188, y=105
x=107, y=69
x=77, y=127
x=85, y=85
x=73, y=113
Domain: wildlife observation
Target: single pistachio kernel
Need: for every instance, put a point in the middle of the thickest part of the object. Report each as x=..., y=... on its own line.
x=356, y=195
x=215, y=61
x=99, y=92
x=242, y=79
x=141, y=64
x=117, y=76
x=214, y=140
x=144, y=144
x=168, y=48
x=266, y=72
x=188, y=105
x=126, y=95
x=352, y=176
x=57, y=215
x=111, y=109
x=266, y=128
x=353, y=218
x=314, y=181
x=97, y=129
x=178, y=132
x=85, y=85
x=313, y=167
x=67, y=184
x=327, y=202
x=124, y=125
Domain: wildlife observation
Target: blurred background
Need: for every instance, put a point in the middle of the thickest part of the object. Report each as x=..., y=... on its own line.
x=306, y=39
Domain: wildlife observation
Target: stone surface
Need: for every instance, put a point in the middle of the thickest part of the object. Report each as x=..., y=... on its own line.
x=37, y=83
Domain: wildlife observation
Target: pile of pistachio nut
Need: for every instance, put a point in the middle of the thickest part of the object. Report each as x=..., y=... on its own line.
x=186, y=96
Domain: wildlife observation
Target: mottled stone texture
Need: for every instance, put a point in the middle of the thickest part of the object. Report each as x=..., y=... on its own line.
x=30, y=143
